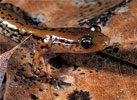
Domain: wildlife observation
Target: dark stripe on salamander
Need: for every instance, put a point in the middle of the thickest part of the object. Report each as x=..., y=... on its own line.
x=67, y=42
x=20, y=23
x=45, y=47
x=10, y=35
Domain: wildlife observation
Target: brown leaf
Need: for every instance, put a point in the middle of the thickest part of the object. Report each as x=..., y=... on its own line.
x=4, y=58
x=3, y=63
x=93, y=76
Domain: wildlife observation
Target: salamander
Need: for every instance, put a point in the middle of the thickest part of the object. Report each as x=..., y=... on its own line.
x=16, y=25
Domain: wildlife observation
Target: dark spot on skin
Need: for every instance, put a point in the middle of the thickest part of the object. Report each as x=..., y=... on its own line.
x=63, y=31
x=50, y=37
x=33, y=97
x=75, y=43
x=44, y=75
x=15, y=35
x=25, y=34
x=3, y=17
x=61, y=40
x=2, y=12
x=99, y=35
x=59, y=44
x=59, y=31
x=70, y=32
x=67, y=42
x=66, y=29
x=64, y=46
x=37, y=37
x=9, y=15
x=45, y=47
x=52, y=29
x=20, y=23
x=12, y=18
x=17, y=8
x=44, y=29
x=79, y=95
x=35, y=27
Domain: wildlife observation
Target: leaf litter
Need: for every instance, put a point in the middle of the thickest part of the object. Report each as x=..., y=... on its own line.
x=4, y=58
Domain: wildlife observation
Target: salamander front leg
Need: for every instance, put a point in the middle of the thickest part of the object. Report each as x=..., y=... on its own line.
x=38, y=68
x=36, y=65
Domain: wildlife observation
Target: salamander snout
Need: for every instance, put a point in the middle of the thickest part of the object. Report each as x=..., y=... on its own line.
x=92, y=41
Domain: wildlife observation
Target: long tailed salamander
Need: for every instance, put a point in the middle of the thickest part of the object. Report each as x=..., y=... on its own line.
x=17, y=26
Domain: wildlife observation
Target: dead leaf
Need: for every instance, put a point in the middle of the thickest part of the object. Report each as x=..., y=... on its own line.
x=4, y=58
x=93, y=76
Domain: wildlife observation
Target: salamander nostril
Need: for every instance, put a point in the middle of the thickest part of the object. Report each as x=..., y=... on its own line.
x=86, y=42
x=106, y=43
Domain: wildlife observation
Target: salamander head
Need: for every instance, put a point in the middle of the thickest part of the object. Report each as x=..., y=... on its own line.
x=76, y=40
x=92, y=41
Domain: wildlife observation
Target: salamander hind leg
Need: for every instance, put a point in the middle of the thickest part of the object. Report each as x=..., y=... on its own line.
x=38, y=68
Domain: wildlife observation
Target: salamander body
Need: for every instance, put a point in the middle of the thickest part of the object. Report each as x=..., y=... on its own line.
x=15, y=25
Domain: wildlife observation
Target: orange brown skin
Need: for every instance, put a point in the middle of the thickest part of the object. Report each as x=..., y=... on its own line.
x=47, y=40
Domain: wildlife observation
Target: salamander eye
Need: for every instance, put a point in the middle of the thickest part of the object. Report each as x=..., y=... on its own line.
x=94, y=28
x=86, y=42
